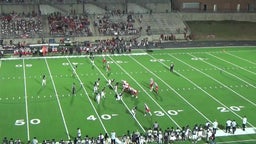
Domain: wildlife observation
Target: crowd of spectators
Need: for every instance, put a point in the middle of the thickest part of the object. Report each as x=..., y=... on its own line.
x=71, y=25
x=21, y=25
x=113, y=24
x=154, y=134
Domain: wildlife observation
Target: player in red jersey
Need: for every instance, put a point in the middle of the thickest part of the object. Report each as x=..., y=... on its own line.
x=134, y=92
x=151, y=84
x=156, y=87
x=104, y=61
x=108, y=67
x=147, y=110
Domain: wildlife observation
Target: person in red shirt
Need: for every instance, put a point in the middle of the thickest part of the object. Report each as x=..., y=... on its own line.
x=147, y=110
x=151, y=84
x=156, y=87
x=104, y=61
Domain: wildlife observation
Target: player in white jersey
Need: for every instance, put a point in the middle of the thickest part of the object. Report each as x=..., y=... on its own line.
x=115, y=87
x=95, y=88
x=110, y=81
x=244, y=122
x=98, y=98
x=44, y=80
x=133, y=111
x=119, y=96
x=102, y=93
x=74, y=70
x=79, y=133
x=215, y=126
x=98, y=82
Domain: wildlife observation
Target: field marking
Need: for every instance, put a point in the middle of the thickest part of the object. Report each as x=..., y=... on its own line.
x=0, y=64
x=211, y=96
x=122, y=101
x=221, y=69
x=241, y=58
x=74, y=71
x=238, y=132
x=57, y=97
x=202, y=90
x=241, y=96
x=26, y=98
x=171, y=88
x=148, y=94
x=232, y=64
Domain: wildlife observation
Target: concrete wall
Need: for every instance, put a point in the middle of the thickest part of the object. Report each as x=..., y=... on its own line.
x=159, y=7
x=18, y=8
x=218, y=16
x=220, y=5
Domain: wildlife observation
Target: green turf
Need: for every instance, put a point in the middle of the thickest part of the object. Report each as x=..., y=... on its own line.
x=205, y=82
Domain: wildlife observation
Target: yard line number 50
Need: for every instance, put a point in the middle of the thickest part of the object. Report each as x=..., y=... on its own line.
x=21, y=122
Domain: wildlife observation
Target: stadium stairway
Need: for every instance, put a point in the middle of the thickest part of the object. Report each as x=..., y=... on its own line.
x=132, y=7
x=47, y=9
x=93, y=9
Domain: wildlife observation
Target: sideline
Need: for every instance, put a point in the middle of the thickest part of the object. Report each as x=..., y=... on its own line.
x=249, y=130
x=238, y=141
x=73, y=56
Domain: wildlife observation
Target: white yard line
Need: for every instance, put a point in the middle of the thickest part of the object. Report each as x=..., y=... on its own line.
x=26, y=99
x=215, y=80
x=226, y=72
x=241, y=58
x=232, y=64
x=57, y=97
x=147, y=94
x=210, y=94
x=85, y=91
x=123, y=103
x=171, y=88
x=204, y=91
x=0, y=64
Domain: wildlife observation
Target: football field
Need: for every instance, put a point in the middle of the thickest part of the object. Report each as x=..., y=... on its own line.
x=207, y=84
